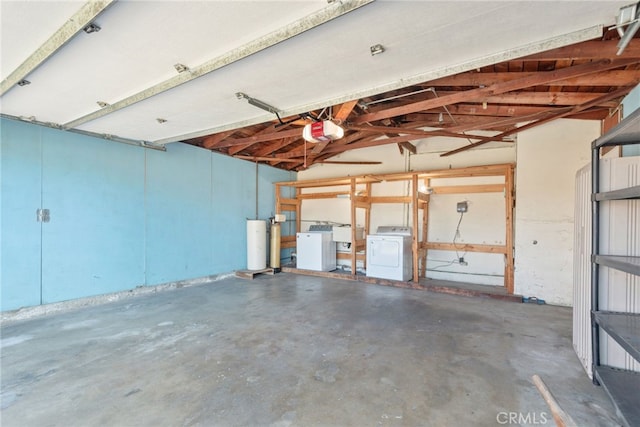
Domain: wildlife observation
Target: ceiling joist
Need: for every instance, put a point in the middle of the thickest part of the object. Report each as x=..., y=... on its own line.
x=499, y=88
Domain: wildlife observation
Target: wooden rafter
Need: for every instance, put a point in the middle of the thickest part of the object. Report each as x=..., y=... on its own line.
x=583, y=81
x=604, y=78
x=521, y=83
x=557, y=115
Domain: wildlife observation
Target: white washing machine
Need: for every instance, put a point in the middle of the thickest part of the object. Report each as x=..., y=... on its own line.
x=316, y=250
x=389, y=253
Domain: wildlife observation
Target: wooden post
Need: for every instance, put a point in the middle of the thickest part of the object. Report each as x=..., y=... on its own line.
x=367, y=213
x=425, y=232
x=367, y=221
x=298, y=210
x=352, y=198
x=509, y=205
x=414, y=234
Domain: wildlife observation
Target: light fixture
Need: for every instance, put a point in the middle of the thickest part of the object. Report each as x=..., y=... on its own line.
x=91, y=28
x=257, y=103
x=324, y=131
x=24, y=82
x=376, y=49
x=181, y=68
x=629, y=16
x=102, y=104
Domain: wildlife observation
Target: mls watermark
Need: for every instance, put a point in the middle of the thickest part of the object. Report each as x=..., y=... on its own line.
x=519, y=418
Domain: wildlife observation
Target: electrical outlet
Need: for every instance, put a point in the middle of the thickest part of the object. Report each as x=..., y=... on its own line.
x=461, y=207
x=462, y=262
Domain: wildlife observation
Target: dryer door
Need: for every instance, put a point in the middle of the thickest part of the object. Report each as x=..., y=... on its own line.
x=384, y=252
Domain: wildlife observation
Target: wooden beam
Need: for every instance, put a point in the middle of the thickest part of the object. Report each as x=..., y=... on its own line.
x=390, y=199
x=324, y=195
x=466, y=123
x=238, y=148
x=480, y=93
x=405, y=131
x=596, y=113
x=508, y=122
x=494, y=110
x=470, y=171
x=466, y=247
x=258, y=138
x=263, y=159
x=344, y=110
x=347, y=255
x=291, y=202
x=469, y=189
x=605, y=78
x=409, y=147
x=545, y=98
x=348, y=162
x=609, y=96
x=210, y=141
x=319, y=147
x=520, y=99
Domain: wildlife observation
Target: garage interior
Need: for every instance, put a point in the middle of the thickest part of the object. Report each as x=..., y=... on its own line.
x=320, y=213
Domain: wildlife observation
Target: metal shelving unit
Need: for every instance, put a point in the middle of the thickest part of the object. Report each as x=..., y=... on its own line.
x=621, y=385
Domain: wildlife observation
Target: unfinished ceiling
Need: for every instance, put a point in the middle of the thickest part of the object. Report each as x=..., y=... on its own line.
x=170, y=71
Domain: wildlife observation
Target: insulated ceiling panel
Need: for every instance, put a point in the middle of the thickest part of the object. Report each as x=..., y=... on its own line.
x=140, y=42
x=332, y=63
x=27, y=25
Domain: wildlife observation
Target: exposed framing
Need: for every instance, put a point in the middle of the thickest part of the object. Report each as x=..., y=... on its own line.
x=359, y=191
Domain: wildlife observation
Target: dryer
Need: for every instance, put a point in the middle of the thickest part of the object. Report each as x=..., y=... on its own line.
x=389, y=253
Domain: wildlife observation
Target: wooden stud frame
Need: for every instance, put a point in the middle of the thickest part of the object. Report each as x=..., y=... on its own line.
x=418, y=201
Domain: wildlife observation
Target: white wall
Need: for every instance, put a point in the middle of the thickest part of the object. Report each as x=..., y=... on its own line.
x=484, y=223
x=548, y=158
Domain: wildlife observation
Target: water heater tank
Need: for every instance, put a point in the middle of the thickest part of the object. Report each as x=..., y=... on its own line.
x=256, y=244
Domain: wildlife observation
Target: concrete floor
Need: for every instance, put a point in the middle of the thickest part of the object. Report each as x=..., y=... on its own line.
x=294, y=350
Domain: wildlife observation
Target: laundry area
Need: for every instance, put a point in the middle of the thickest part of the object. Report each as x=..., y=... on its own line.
x=319, y=213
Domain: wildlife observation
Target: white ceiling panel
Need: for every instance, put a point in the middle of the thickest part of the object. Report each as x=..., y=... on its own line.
x=141, y=41
x=28, y=24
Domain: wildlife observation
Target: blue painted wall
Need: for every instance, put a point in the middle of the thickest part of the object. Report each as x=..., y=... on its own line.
x=94, y=241
x=20, y=196
x=178, y=206
x=121, y=216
